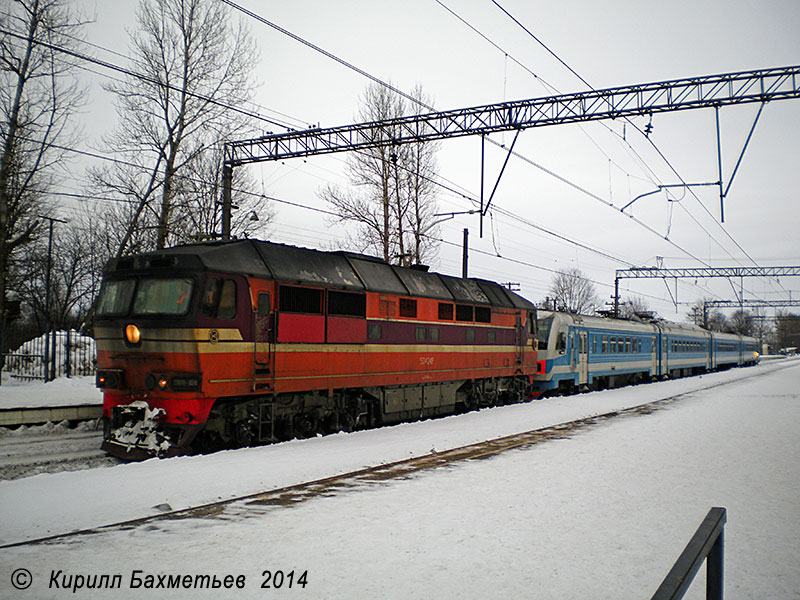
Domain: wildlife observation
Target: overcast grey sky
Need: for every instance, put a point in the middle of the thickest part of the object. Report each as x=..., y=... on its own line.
x=612, y=43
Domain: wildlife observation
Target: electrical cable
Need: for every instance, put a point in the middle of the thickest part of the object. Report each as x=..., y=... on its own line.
x=145, y=78
x=652, y=143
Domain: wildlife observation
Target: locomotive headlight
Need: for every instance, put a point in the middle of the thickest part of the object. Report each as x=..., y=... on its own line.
x=109, y=379
x=132, y=334
x=153, y=381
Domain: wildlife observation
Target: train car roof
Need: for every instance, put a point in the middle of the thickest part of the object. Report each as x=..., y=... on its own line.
x=668, y=327
x=337, y=269
x=602, y=322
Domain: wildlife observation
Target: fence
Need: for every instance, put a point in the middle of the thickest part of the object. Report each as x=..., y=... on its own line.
x=707, y=543
x=57, y=354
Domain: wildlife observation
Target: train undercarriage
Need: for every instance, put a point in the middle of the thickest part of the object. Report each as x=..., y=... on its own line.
x=136, y=431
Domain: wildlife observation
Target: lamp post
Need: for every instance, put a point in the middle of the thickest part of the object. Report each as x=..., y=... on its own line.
x=50, y=355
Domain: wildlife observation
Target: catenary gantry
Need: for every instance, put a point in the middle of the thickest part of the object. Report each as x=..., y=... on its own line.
x=680, y=94
x=762, y=86
x=708, y=272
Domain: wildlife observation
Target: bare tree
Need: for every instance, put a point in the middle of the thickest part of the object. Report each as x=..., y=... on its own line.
x=740, y=322
x=394, y=200
x=633, y=306
x=38, y=97
x=73, y=284
x=710, y=319
x=420, y=158
x=573, y=292
x=196, y=69
x=199, y=208
x=787, y=327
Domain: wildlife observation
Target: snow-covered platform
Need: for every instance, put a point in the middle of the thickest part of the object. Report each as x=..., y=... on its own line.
x=601, y=514
x=32, y=403
x=64, y=391
x=10, y=417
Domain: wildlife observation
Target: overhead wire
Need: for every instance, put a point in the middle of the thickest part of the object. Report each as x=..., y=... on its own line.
x=647, y=137
x=146, y=78
x=250, y=114
x=420, y=103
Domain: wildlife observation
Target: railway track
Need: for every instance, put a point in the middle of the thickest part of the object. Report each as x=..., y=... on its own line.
x=31, y=454
x=262, y=502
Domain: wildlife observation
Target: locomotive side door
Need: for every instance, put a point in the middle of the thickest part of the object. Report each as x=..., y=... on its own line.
x=263, y=326
x=583, y=359
x=519, y=340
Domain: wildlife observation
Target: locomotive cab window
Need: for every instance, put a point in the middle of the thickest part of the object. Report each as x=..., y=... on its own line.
x=543, y=330
x=227, y=300
x=532, y=323
x=219, y=299
x=115, y=298
x=163, y=296
x=208, y=303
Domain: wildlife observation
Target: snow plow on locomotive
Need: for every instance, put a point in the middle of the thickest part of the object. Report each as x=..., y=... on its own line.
x=229, y=344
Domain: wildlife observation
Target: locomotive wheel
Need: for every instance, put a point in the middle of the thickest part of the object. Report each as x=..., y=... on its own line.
x=207, y=442
x=347, y=422
x=244, y=433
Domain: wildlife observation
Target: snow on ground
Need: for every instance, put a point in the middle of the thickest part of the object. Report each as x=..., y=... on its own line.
x=65, y=391
x=602, y=514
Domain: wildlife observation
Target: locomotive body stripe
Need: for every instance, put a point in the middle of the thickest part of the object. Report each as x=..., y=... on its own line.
x=247, y=348
x=172, y=334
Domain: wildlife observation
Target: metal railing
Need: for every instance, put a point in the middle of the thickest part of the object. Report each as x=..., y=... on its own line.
x=56, y=354
x=706, y=545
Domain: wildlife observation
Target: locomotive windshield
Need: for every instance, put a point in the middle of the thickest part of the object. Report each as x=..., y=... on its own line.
x=163, y=297
x=151, y=297
x=543, y=334
x=115, y=298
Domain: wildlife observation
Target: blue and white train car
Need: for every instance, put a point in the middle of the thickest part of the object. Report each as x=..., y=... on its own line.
x=685, y=349
x=578, y=352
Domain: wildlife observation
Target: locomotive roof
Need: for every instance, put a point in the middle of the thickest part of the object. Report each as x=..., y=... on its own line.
x=338, y=269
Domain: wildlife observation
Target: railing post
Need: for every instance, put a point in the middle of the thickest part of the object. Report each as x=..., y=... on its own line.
x=706, y=544
x=715, y=570
x=67, y=359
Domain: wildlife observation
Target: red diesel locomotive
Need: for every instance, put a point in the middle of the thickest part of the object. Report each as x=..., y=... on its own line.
x=228, y=344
